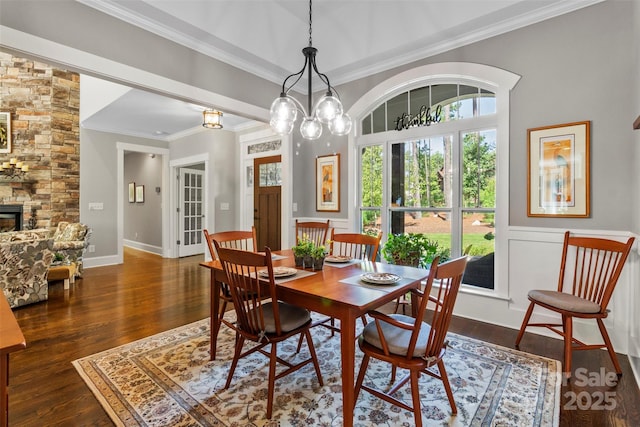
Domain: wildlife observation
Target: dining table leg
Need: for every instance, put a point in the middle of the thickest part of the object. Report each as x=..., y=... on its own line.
x=215, y=314
x=348, y=350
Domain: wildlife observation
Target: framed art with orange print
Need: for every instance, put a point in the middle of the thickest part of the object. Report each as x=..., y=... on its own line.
x=558, y=171
x=328, y=183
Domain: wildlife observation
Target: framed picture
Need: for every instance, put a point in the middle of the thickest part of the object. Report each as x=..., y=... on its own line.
x=558, y=171
x=132, y=192
x=5, y=132
x=328, y=183
x=139, y=193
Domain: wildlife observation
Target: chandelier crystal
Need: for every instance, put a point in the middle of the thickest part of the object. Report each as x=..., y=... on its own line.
x=328, y=110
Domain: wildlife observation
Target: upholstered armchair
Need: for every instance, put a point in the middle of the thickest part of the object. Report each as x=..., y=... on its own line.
x=25, y=258
x=70, y=240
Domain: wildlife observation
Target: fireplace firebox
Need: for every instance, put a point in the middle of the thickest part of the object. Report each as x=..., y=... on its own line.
x=10, y=218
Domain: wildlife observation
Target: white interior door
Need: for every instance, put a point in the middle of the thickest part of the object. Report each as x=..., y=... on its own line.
x=190, y=212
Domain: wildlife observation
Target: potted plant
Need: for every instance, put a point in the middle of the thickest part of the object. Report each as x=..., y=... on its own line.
x=302, y=251
x=318, y=253
x=414, y=249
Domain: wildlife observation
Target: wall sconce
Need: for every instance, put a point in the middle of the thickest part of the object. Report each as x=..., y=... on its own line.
x=212, y=119
x=13, y=169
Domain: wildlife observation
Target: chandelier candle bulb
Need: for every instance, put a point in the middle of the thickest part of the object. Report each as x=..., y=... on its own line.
x=13, y=161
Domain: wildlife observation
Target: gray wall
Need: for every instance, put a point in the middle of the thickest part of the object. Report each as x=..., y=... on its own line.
x=98, y=183
x=222, y=148
x=143, y=221
x=575, y=67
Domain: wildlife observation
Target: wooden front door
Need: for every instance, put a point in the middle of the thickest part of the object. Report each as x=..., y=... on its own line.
x=267, y=201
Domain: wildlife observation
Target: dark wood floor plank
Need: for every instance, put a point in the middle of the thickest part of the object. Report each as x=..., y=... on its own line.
x=115, y=305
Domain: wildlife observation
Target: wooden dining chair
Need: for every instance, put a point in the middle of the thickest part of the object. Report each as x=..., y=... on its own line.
x=589, y=271
x=261, y=318
x=355, y=245
x=414, y=344
x=244, y=240
x=315, y=231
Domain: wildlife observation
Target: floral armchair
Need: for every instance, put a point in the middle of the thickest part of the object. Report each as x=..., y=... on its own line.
x=25, y=258
x=70, y=240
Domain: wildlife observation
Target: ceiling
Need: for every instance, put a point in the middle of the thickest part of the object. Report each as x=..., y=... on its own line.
x=354, y=38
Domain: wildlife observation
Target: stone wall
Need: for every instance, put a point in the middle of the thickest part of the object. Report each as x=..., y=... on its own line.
x=44, y=103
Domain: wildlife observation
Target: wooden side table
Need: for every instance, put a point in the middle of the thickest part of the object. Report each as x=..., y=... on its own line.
x=66, y=272
x=11, y=339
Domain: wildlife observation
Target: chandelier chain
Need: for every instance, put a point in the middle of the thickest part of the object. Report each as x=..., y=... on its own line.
x=310, y=22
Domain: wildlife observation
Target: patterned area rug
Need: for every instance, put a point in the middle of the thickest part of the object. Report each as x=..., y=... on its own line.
x=168, y=380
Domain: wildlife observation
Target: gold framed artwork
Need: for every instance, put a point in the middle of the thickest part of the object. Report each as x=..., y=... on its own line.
x=5, y=132
x=328, y=183
x=558, y=182
x=132, y=192
x=139, y=193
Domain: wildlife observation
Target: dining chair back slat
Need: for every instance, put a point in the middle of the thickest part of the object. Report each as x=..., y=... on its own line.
x=314, y=231
x=235, y=239
x=248, y=295
x=355, y=245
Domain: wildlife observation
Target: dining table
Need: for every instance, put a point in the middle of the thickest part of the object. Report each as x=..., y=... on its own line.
x=337, y=290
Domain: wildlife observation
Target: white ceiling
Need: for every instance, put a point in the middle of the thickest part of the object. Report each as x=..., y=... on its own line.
x=354, y=38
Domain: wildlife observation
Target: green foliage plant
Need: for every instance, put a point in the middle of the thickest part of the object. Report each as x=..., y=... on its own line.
x=414, y=249
x=304, y=247
x=318, y=251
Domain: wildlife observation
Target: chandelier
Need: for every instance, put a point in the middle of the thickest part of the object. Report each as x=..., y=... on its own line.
x=212, y=119
x=328, y=110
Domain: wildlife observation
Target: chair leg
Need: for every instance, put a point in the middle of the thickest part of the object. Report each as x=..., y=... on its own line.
x=525, y=322
x=567, y=326
x=236, y=357
x=447, y=386
x=607, y=341
x=415, y=395
x=272, y=378
x=299, y=344
x=314, y=357
x=363, y=370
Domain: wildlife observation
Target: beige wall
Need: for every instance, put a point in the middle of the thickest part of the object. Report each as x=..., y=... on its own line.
x=44, y=103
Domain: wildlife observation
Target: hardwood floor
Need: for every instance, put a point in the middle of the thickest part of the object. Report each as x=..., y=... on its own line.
x=115, y=305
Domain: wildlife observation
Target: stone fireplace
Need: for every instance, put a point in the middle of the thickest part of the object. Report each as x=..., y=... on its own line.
x=10, y=218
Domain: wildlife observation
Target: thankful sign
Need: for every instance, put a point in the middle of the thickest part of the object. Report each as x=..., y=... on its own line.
x=424, y=117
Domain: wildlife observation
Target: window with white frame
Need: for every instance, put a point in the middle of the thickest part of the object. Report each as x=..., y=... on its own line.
x=427, y=164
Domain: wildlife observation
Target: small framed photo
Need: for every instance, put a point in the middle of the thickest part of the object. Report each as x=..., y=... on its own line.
x=328, y=183
x=5, y=132
x=132, y=192
x=558, y=171
x=139, y=193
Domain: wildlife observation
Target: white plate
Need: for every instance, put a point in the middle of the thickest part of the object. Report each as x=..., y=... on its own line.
x=337, y=258
x=380, y=278
x=279, y=272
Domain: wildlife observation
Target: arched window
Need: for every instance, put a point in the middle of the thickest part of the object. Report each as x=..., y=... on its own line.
x=428, y=162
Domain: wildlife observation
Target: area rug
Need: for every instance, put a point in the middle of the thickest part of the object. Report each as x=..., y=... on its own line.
x=168, y=380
